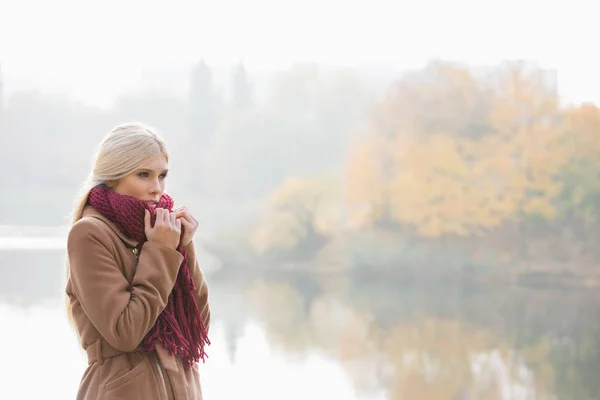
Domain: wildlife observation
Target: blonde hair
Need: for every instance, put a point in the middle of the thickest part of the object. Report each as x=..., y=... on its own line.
x=123, y=150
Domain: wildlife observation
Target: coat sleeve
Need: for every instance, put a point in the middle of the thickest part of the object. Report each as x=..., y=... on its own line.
x=122, y=313
x=201, y=284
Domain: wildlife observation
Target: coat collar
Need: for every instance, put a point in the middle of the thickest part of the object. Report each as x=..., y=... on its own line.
x=91, y=212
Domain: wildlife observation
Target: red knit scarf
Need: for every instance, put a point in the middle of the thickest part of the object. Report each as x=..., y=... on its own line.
x=179, y=327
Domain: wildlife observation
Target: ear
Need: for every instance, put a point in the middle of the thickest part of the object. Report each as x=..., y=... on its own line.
x=109, y=184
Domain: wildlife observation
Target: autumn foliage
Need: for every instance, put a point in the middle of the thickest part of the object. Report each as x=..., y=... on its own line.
x=479, y=161
x=452, y=153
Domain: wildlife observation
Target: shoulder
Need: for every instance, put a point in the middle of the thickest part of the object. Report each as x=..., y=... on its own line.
x=89, y=229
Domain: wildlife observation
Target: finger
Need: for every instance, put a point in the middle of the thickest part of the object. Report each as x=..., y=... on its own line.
x=180, y=208
x=189, y=213
x=172, y=218
x=178, y=225
x=186, y=224
x=159, y=217
x=184, y=214
x=147, y=226
x=165, y=217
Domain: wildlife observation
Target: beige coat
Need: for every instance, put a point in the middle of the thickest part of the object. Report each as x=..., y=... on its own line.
x=115, y=301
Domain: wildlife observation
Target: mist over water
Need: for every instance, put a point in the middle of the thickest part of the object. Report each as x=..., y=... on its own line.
x=393, y=203
x=327, y=336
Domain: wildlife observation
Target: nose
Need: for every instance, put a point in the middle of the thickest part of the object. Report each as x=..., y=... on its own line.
x=156, y=188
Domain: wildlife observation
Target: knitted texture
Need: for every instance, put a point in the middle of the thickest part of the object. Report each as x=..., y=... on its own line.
x=179, y=327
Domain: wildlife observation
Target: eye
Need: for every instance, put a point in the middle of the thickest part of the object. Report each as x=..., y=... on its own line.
x=143, y=174
x=163, y=176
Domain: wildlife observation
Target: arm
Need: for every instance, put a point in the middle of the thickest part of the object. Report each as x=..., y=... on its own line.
x=201, y=284
x=122, y=313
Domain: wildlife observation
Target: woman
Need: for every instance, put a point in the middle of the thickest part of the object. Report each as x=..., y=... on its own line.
x=137, y=297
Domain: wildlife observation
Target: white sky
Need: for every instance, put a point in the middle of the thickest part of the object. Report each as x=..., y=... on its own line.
x=99, y=48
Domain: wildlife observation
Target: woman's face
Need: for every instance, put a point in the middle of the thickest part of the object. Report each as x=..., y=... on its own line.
x=147, y=183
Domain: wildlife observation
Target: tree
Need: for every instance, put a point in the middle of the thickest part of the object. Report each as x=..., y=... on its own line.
x=366, y=192
x=444, y=98
x=242, y=95
x=526, y=118
x=300, y=217
x=203, y=107
x=303, y=126
x=452, y=154
x=580, y=195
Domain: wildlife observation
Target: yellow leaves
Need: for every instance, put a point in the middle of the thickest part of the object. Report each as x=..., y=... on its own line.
x=294, y=209
x=432, y=187
x=281, y=231
x=583, y=125
x=295, y=194
x=584, y=121
x=541, y=206
x=450, y=154
x=442, y=97
x=444, y=185
x=364, y=181
x=365, y=187
x=523, y=96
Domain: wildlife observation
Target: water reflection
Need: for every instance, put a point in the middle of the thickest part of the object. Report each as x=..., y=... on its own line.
x=302, y=336
x=401, y=341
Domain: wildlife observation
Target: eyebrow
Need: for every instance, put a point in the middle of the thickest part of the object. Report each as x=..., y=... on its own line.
x=150, y=170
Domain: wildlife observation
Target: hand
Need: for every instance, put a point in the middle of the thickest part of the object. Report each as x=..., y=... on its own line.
x=166, y=230
x=189, y=223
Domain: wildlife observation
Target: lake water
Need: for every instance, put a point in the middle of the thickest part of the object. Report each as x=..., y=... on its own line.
x=302, y=336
